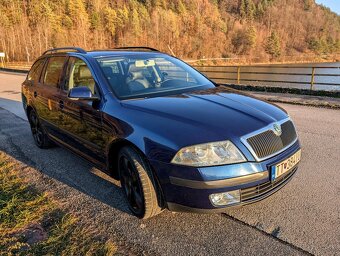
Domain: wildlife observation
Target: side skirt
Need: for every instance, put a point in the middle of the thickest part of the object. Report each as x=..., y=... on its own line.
x=97, y=164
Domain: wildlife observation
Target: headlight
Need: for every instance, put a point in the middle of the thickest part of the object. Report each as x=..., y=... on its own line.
x=210, y=154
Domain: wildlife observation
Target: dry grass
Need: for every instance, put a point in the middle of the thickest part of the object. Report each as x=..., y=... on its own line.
x=31, y=223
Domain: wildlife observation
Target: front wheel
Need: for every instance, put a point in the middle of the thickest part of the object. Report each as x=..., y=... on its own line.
x=138, y=184
x=39, y=135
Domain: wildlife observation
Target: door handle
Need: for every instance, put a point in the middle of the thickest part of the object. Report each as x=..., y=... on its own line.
x=61, y=104
x=35, y=94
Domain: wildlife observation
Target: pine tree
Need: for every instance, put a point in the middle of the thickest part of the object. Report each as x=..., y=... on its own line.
x=273, y=45
x=181, y=7
x=95, y=20
x=243, y=11
x=247, y=9
x=245, y=40
x=264, y=3
x=135, y=22
x=251, y=36
x=110, y=17
x=260, y=11
x=250, y=10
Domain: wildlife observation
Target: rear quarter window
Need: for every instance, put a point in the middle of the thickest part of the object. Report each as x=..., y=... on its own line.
x=53, y=71
x=34, y=74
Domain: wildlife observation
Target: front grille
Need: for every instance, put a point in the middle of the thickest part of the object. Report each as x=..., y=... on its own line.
x=268, y=143
x=252, y=193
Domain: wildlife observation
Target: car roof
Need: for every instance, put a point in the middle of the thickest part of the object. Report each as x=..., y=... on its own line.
x=127, y=51
x=104, y=53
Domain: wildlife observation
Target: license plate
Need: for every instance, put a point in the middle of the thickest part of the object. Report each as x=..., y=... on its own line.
x=285, y=166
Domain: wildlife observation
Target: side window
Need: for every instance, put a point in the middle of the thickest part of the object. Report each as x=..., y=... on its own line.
x=53, y=71
x=79, y=74
x=35, y=71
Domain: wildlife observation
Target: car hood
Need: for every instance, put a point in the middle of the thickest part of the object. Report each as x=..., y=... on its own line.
x=203, y=116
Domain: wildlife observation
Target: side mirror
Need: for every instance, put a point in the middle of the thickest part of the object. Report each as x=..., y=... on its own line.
x=28, y=82
x=81, y=93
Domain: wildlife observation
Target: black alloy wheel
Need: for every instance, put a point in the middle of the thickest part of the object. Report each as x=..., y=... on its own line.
x=39, y=135
x=138, y=183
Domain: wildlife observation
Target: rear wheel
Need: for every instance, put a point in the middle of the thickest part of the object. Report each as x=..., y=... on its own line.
x=138, y=184
x=39, y=135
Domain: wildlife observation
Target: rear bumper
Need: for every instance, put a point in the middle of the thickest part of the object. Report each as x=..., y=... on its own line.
x=188, y=189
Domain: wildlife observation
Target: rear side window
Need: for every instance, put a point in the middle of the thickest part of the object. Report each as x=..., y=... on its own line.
x=53, y=71
x=35, y=71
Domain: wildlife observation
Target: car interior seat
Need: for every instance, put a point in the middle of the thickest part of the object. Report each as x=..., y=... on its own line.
x=136, y=81
x=84, y=78
x=116, y=80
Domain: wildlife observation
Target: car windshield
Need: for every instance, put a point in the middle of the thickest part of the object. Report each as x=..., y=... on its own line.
x=148, y=75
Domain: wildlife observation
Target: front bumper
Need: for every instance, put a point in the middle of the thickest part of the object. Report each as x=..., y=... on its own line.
x=188, y=189
x=258, y=193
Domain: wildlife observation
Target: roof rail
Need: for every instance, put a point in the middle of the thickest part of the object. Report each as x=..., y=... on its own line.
x=77, y=49
x=137, y=48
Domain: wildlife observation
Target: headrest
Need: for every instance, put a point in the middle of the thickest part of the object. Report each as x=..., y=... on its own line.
x=133, y=68
x=84, y=72
x=136, y=75
x=136, y=72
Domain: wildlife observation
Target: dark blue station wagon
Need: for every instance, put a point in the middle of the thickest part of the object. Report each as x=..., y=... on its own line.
x=171, y=136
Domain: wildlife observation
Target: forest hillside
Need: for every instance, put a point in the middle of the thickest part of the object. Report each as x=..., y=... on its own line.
x=191, y=29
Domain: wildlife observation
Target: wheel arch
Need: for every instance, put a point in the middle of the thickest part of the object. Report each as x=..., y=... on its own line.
x=28, y=111
x=112, y=157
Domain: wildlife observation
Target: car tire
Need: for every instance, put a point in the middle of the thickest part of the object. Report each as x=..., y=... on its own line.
x=138, y=184
x=39, y=135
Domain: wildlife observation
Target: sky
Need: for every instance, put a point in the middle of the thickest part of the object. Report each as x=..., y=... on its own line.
x=333, y=4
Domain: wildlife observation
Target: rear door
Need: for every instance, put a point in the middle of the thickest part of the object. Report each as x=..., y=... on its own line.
x=81, y=121
x=47, y=94
x=32, y=80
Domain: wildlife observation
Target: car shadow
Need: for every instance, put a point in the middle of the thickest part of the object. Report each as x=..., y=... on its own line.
x=58, y=163
x=14, y=106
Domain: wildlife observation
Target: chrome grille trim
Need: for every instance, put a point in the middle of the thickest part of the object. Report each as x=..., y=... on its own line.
x=262, y=145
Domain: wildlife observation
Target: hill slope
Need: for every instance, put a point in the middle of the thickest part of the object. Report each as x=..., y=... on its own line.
x=266, y=29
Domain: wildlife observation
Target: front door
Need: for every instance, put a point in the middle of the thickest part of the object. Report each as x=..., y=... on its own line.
x=81, y=120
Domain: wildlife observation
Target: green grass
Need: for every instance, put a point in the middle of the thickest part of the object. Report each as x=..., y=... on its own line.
x=23, y=208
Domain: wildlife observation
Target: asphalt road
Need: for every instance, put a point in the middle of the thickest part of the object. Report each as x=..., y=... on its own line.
x=302, y=218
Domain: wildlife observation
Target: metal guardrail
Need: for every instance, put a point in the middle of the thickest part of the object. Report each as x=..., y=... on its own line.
x=239, y=80
x=13, y=70
x=18, y=65
x=240, y=71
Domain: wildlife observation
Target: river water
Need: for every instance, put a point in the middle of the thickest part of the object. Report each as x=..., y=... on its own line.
x=327, y=75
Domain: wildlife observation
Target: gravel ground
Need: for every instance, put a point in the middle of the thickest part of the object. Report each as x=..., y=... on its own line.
x=303, y=217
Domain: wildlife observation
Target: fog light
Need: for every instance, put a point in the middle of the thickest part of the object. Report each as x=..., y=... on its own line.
x=225, y=198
